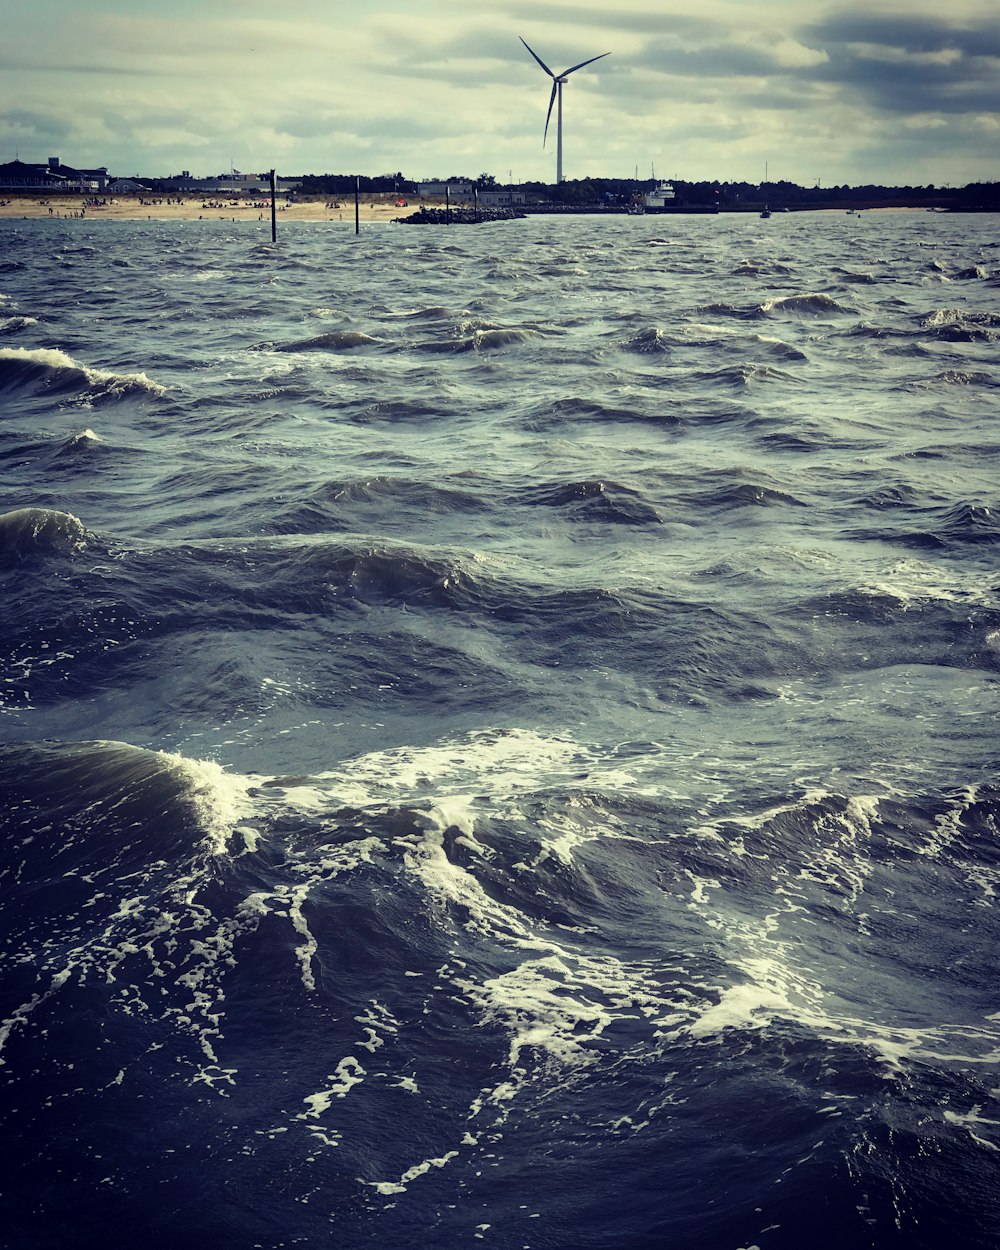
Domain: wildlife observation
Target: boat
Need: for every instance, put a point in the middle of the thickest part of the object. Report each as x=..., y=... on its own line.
x=663, y=199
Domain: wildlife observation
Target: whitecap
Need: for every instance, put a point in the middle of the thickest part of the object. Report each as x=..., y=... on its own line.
x=30, y=531
x=50, y=368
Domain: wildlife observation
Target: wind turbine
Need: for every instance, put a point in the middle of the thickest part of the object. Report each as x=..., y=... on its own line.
x=558, y=82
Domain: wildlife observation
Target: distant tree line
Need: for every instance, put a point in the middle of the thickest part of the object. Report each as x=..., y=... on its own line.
x=731, y=196
x=790, y=195
x=344, y=184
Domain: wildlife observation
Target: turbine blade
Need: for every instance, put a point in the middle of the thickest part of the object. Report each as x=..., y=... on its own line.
x=540, y=61
x=574, y=68
x=548, y=115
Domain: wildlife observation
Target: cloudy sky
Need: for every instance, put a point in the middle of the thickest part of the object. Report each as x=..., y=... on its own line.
x=851, y=91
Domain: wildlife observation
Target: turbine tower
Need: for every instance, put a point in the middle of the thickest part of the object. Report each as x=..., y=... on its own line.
x=558, y=82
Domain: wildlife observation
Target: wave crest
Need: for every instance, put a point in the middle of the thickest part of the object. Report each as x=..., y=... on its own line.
x=26, y=532
x=333, y=341
x=816, y=303
x=47, y=369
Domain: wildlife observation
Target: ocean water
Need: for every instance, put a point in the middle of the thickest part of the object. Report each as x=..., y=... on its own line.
x=499, y=734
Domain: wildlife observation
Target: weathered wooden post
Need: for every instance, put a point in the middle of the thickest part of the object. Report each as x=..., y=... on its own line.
x=274, y=220
x=357, y=205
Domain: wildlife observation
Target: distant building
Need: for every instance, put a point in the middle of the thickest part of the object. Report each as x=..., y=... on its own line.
x=501, y=197
x=52, y=178
x=468, y=192
x=233, y=183
x=456, y=191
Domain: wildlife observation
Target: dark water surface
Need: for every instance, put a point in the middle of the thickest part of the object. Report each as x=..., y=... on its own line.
x=499, y=734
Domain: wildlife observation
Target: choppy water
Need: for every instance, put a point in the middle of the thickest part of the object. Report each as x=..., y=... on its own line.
x=500, y=734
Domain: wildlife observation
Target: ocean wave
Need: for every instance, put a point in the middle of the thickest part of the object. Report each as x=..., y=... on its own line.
x=496, y=337
x=744, y=494
x=86, y=440
x=749, y=374
x=889, y=496
x=650, y=341
x=11, y=325
x=263, y=581
x=347, y=505
x=580, y=409
x=959, y=325
x=593, y=500
x=79, y=451
x=322, y=312
x=856, y=277
x=461, y=939
x=724, y=309
x=50, y=371
x=482, y=338
x=728, y=337
x=333, y=341
x=960, y=525
x=759, y=268
x=956, y=377
x=433, y=312
x=812, y=304
x=968, y=522
x=428, y=408
x=109, y=886
x=113, y=806
x=29, y=532
x=211, y=590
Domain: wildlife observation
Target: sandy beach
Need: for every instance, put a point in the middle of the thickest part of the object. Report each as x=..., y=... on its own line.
x=207, y=208
x=373, y=208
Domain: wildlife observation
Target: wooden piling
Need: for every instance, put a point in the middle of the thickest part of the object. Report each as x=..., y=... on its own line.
x=357, y=205
x=274, y=218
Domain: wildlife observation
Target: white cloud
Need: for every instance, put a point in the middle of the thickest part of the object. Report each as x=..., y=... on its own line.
x=924, y=121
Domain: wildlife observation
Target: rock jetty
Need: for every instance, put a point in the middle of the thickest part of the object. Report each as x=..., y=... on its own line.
x=458, y=216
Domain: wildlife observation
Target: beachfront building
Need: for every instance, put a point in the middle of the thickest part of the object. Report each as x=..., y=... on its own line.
x=468, y=193
x=501, y=197
x=53, y=178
